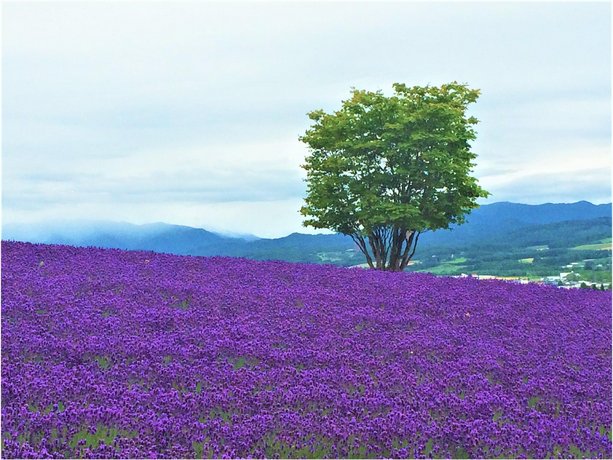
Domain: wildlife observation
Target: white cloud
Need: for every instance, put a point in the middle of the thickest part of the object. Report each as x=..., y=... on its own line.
x=269, y=219
x=110, y=106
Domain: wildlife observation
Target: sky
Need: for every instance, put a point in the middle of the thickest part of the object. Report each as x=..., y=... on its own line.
x=190, y=113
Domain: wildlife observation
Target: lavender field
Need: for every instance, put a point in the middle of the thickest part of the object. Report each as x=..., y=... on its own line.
x=109, y=353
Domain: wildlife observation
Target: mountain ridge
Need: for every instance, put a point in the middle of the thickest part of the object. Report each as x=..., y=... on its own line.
x=488, y=222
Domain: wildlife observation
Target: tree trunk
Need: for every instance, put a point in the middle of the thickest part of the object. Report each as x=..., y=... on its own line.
x=400, y=245
x=396, y=244
x=375, y=247
x=409, y=255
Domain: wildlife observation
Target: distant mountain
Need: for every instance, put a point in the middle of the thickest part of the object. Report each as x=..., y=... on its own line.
x=564, y=234
x=541, y=213
x=495, y=219
x=159, y=237
x=494, y=224
x=297, y=247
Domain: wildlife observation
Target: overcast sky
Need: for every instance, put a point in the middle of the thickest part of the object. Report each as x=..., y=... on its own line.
x=190, y=113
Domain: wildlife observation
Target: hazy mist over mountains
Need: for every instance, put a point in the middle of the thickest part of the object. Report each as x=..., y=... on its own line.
x=487, y=223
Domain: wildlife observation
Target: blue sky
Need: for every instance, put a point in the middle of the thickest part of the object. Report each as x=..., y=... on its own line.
x=190, y=113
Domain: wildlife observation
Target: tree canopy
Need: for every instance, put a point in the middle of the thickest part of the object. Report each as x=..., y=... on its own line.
x=384, y=169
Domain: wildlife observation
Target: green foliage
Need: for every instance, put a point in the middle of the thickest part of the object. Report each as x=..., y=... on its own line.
x=182, y=304
x=239, y=363
x=505, y=253
x=104, y=362
x=428, y=448
x=533, y=401
x=384, y=169
x=244, y=361
x=92, y=440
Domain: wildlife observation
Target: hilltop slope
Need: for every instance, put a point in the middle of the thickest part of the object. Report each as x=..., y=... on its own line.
x=109, y=353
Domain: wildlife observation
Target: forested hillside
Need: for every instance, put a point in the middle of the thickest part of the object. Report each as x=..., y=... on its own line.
x=503, y=239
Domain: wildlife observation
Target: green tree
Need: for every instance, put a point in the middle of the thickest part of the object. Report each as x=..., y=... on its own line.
x=383, y=170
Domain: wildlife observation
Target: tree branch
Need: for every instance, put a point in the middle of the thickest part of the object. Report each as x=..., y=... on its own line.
x=359, y=241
